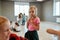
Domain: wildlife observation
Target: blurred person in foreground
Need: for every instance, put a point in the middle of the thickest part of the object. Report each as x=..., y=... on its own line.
x=5, y=33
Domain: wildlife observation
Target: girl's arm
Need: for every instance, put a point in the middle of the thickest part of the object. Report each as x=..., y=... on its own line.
x=52, y=31
x=27, y=23
x=36, y=26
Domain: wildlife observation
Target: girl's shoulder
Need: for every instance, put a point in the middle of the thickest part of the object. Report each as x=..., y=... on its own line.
x=37, y=18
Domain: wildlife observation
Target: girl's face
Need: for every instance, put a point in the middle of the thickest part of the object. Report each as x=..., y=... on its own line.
x=5, y=31
x=32, y=12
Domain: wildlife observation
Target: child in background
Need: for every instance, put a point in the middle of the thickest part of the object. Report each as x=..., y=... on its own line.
x=23, y=19
x=11, y=26
x=16, y=27
x=19, y=19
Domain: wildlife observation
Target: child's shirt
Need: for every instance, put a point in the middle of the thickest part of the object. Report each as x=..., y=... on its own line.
x=30, y=26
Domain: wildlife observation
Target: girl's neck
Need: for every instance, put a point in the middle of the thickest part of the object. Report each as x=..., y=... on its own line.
x=33, y=17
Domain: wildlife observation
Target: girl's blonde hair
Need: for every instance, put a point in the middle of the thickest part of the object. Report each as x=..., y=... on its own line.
x=35, y=9
x=3, y=20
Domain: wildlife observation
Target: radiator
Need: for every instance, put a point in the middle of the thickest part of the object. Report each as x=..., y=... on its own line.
x=58, y=20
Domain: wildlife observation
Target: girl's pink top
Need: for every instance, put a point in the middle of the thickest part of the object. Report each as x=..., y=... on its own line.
x=30, y=26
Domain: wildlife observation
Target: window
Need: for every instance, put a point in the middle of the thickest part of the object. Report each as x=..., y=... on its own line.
x=56, y=8
x=21, y=8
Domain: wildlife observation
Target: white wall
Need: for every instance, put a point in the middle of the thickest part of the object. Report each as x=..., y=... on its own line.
x=8, y=10
x=0, y=7
x=48, y=11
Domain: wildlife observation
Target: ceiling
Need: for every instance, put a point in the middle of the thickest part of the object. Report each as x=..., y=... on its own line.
x=25, y=0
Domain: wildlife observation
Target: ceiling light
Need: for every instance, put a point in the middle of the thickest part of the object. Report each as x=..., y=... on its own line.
x=39, y=0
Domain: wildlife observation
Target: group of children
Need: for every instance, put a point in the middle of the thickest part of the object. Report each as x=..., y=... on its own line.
x=21, y=19
x=33, y=25
x=19, y=23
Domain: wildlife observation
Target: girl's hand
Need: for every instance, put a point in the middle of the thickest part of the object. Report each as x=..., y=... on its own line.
x=31, y=21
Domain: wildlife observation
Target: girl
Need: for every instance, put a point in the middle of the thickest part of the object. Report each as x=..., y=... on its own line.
x=32, y=24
